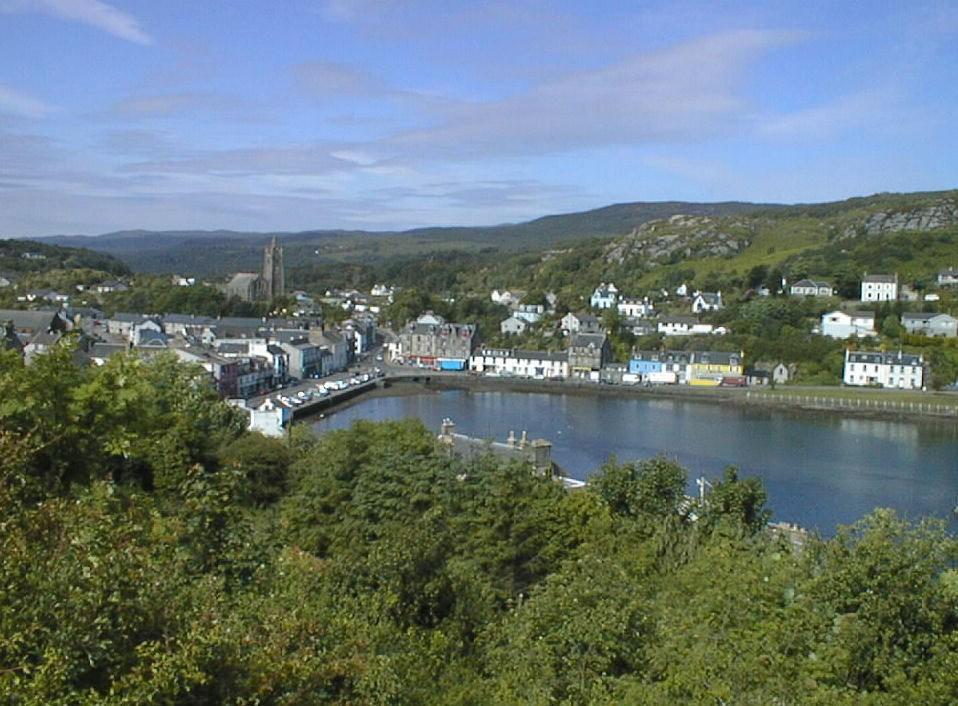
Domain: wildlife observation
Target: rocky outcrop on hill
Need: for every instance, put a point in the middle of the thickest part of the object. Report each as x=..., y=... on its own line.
x=662, y=241
x=918, y=219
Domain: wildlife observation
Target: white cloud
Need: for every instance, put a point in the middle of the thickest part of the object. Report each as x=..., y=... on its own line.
x=687, y=92
x=324, y=78
x=12, y=101
x=845, y=113
x=90, y=12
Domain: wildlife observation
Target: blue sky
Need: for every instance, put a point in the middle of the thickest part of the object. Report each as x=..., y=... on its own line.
x=369, y=114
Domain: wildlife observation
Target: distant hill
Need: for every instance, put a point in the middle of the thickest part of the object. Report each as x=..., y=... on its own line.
x=222, y=251
x=759, y=232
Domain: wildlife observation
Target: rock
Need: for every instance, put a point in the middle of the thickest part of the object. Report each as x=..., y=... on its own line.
x=690, y=236
x=919, y=219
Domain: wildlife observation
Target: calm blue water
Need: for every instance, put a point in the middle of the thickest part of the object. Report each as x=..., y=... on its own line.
x=819, y=471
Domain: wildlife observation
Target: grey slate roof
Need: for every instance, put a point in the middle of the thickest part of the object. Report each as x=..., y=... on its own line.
x=884, y=358
x=880, y=279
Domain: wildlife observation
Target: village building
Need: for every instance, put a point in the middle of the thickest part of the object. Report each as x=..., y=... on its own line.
x=939, y=325
x=879, y=288
x=635, y=307
x=840, y=324
x=660, y=367
x=530, y=313
x=899, y=370
x=677, y=325
x=588, y=352
x=604, y=296
x=948, y=278
x=574, y=323
x=712, y=368
x=706, y=301
x=513, y=326
x=811, y=288
x=431, y=341
x=538, y=365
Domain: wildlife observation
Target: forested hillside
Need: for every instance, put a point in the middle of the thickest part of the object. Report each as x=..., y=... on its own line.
x=27, y=256
x=153, y=552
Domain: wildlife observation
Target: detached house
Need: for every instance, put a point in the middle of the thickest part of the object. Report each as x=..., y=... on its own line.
x=930, y=324
x=604, y=296
x=633, y=307
x=898, y=370
x=573, y=323
x=840, y=324
x=811, y=288
x=879, y=288
x=513, y=326
x=948, y=278
x=706, y=301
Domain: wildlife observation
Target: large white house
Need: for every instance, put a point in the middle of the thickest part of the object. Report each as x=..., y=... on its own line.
x=841, y=324
x=811, y=288
x=635, y=308
x=539, y=365
x=604, y=296
x=899, y=370
x=948, y=277
x=879, y=288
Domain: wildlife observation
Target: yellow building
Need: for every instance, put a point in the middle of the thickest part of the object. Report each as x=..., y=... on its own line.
x=708, y=368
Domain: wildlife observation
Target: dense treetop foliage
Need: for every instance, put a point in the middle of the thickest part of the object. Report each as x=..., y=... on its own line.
x=151, y=551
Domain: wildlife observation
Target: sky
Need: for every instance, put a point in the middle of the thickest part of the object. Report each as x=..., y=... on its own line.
x=374, y=114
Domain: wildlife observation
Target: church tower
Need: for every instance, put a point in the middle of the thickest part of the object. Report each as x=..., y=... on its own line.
x=274, y=279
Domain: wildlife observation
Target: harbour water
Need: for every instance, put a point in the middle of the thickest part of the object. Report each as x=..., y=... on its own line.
x=819, y=471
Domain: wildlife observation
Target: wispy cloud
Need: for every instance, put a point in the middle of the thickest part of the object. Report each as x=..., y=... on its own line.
x=94, y=13
x=16, y=103
x=188, y=103
x=686, y=92
x=829, y=119
x=326, y=78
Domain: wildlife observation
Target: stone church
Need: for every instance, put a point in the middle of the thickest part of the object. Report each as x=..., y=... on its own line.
x=267, y=285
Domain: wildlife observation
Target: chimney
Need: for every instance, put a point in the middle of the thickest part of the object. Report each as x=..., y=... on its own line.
x=511, y=439
x=523, y=440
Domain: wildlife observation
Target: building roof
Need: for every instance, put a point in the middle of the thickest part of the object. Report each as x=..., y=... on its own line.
x=128, y=318
x=716, y=357
x=233, y=348
x=188, y=319
x=813, y=283
x=923, y=316
x=881, y=279
x=709, y=297
x=679, y=319
x=884, y=358
x=585, y=340
x=31, y=321
x=106, y=350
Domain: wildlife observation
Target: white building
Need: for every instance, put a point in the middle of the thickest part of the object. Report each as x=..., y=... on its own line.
x=840, y=324
x=898, y=370
x=706, y=301
x=879, y=288
x=947, y=278
x=811, y=288
x=604, y=296
x=923, y=324
x=635, y=308
x=530, y=313
x=677, y=325
x=538, y=365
